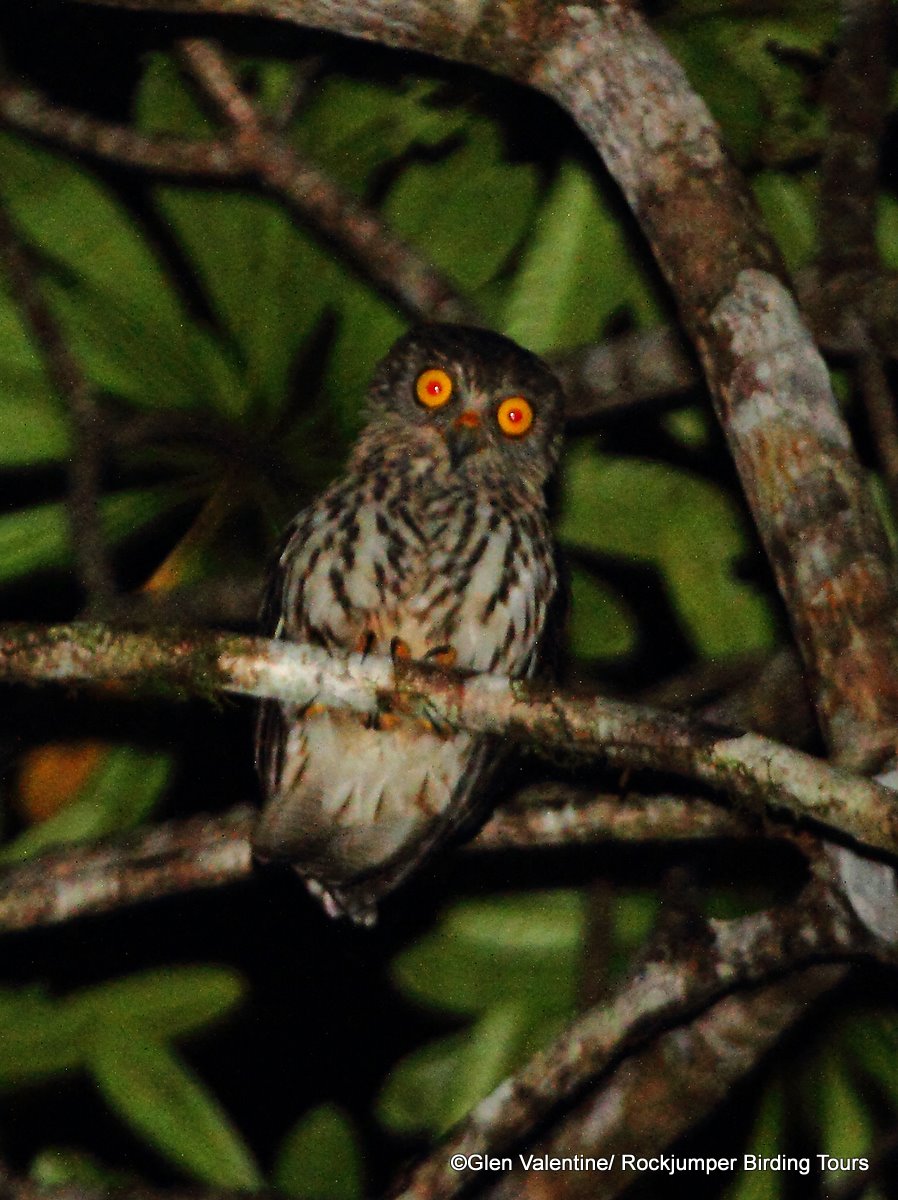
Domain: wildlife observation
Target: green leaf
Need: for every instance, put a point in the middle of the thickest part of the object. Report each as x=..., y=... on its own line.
x=635, y=915
x=163, y=1004
x=320, y=1158
x=599, y=626
x=78, y=223
x=688, y=425
x=432, y=1088
x=119, y=795
x=484, y=951
x=735, y=98
x=33, y=430
x=292, y=276
x=887, y=229
x=163, y=1101
x=686, y=526
x=126, y=349
x=764, y=1143
x=419, y=1091
x=36, y=538
x=353, y=126
x=790, y=210
x=39, y=1038
x=514, y=963
x=63, y=1166
x=32, y=423
x=118, y=307
x=739, y=63
x=846, y=1122
x=468, y=211
x=577, y=270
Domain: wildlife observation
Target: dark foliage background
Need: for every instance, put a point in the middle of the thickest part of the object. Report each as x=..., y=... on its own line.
x=239, y=1038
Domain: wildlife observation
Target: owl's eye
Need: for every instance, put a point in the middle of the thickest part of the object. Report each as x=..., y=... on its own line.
x=433, y=387
x=515, y=416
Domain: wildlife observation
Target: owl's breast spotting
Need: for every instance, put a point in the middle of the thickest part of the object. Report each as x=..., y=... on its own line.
x=409, y=557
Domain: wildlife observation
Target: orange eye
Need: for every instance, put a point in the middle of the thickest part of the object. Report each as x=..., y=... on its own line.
x=515, y=416
x=433, y=387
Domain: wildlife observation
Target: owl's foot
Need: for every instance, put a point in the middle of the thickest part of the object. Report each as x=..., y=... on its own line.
x=384, y=721
x=365, y=643
x=443, y=656
x=399, y=650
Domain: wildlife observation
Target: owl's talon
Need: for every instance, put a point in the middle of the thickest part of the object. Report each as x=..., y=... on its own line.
x=443, y=656
x=433, y=722
x=399, y=650
x=365, y=643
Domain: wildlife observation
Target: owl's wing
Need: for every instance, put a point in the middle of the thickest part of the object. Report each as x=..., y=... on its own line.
x=547, y=663
x=271, y=724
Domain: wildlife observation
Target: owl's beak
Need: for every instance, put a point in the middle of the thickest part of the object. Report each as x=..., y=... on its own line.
x=464, y=437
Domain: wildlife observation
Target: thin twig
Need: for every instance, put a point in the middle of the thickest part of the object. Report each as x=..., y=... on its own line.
x=85, y=459
x=27, y=111
x=749, y=768
x=387, y=259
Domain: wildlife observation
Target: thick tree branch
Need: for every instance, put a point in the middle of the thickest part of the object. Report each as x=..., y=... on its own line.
x=211, y=851
x=749, y=768
x=176, y=857
x=661, y=1091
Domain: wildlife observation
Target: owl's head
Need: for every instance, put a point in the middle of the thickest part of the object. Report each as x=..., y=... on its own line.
x=483, y=407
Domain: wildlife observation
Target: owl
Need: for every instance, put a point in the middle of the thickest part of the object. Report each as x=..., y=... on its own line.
x=434, y=545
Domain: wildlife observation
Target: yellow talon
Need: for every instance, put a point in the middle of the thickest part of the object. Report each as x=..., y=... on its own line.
x=399, y=649
x=444, y=657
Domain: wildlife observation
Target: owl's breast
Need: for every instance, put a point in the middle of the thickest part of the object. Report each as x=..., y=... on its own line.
x=430, y=565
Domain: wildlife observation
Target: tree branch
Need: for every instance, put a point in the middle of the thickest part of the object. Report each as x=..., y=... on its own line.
x=29, y=112
x=85, y=466
x=253, y=153
x=172, y=858
x=212, y=851
x=819, y=927
x=554, y=815
x=661, y=1091
x=749, y=768
x=387, y=259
